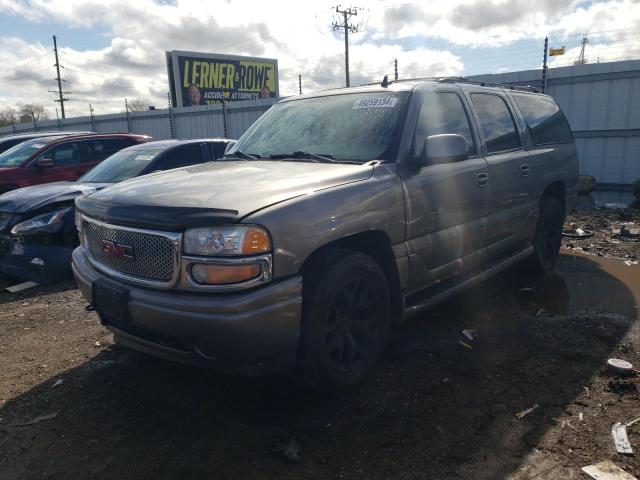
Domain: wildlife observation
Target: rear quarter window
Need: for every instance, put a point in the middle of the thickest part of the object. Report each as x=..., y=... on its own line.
x=545, y=121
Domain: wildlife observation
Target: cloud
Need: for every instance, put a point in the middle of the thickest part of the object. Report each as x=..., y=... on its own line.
x=297, y=33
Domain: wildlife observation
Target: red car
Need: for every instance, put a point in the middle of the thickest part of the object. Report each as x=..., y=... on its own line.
x=59, y=158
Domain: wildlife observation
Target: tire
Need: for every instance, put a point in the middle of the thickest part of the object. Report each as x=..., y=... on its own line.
x=346, y=317
x=548, y=236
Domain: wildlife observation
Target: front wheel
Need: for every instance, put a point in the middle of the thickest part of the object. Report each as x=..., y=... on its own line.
x=548, y=236
x=346, y=320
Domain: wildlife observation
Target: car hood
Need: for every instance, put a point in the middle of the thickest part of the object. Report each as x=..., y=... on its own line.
x=30, y=199
x=218, y=192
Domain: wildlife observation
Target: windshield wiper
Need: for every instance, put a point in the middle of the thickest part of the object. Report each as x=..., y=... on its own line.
x=324, y=158
x=240, y=154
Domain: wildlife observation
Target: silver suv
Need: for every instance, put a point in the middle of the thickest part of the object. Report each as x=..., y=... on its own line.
x=335, y=216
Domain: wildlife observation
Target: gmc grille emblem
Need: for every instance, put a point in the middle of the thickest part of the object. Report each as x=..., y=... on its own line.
x=117, y=250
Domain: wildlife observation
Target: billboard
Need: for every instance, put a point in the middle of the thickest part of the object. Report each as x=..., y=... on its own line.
x=207, y=78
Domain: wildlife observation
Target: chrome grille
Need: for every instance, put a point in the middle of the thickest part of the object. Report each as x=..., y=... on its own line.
x=154, y=256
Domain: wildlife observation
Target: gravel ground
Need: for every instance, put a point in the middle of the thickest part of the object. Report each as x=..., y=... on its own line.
x=606, y=241
x=433, y=408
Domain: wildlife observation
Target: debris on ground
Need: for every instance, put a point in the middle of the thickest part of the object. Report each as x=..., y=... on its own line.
x=21, y=286
x=465, y=345
x=620, y=367
x=57, y=383
x=39, y=419
x=620, y=438
x=469, y=334
x=576, y=233
x=526, y=412
x=289, y=449
x=614, y=234
x=607, y=470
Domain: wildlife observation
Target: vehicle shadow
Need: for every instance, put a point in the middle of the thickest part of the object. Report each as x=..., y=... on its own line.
x=433, y=408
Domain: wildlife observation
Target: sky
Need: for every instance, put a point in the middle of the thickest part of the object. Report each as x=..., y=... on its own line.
x=114, y=49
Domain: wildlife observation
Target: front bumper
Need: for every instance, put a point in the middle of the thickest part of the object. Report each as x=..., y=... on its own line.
x=250, y=332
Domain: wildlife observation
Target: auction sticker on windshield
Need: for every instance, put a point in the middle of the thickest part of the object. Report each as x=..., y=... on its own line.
x=375, y=102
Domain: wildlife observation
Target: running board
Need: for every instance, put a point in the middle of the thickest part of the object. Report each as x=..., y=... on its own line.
x=434, y=295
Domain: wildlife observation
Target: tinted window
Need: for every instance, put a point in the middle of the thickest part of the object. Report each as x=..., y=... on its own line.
x=101, y=149
x=181, y=156
x=218, y=149
x=544, y=119
x=64, y=154
x=441, y=113
x=496, y=123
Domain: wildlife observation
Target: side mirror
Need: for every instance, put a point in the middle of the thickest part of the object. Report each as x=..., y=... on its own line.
x=44, y=162
x=444, y=148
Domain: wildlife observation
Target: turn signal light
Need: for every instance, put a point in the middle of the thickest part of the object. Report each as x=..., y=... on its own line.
x=211, y=274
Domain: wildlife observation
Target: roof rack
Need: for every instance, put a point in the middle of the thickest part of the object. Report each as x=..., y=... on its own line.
x=527, y=88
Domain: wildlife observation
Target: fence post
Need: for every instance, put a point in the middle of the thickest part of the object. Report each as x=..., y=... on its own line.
x=544, y=66
x=224, y=119
x=171, y=126
x=126, y=107
x=93, y=120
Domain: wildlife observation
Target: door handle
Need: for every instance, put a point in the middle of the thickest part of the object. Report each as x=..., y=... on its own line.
x=482, y=179
x=524, y=169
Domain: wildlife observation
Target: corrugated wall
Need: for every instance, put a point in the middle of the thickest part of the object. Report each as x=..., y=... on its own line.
x=602, y=103
x=189, y=122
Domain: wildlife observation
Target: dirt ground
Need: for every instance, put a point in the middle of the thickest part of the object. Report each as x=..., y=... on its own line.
x=433, y=408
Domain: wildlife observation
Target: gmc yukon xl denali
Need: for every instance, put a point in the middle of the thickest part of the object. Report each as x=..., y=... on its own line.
x=335, y=216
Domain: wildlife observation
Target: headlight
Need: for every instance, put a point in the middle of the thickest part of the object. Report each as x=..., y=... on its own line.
x=227, y=241
x=45, y=223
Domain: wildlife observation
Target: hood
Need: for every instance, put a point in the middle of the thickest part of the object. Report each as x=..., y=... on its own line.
x=223, y=191
x=30, y=199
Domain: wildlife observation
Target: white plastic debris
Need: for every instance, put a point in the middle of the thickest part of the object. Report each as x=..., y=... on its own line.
x=21, y=286
x=607, y=470
x=526, y=412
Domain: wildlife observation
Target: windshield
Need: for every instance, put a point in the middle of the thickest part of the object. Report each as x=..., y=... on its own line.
x=21, y=152
x=354, y=127
x=121, y=166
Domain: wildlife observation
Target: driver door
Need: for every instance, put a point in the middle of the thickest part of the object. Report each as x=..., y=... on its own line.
x=446, y=203
x=67, y=158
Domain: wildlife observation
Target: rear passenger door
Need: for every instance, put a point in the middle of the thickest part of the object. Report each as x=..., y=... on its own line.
x=508, y=170
x=551, y=145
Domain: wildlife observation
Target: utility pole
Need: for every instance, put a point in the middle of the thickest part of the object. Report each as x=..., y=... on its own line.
x=395, y=69
x=544, y=66
x=61, y=99
x=346, y=13
x=93, y=122
x=126, y=108
x=581, y=59
x=300, y=84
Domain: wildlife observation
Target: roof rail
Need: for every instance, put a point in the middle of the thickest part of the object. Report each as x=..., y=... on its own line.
x=527, y=88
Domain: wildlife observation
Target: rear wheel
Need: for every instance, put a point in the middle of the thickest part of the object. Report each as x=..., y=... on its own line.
x=548, y=236
x=345, y=324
